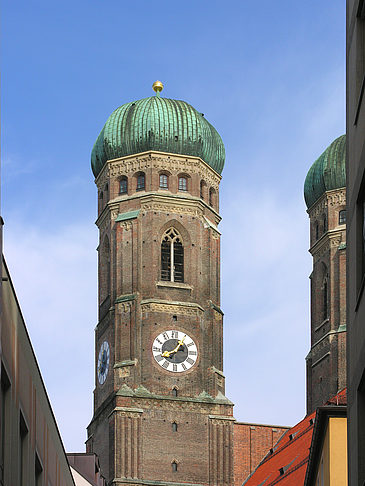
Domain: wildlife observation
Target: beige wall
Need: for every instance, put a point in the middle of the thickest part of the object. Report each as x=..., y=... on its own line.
x=332, y=470
x=24, y=400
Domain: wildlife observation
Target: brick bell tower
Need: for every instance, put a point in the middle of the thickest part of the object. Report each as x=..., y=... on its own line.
x=160, y=411
x=325, y=196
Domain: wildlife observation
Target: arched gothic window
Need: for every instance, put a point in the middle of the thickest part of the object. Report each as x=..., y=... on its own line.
x=174, y=466
x=105, y=269
x=211, y=196
x=123, y=185
x=172, y=257
x=141, y=181
x=317, y=231
x=183, y=184
x=325, y=298
x=342, y=217
x=325, y=226
x=202, y=189
x=164, y=181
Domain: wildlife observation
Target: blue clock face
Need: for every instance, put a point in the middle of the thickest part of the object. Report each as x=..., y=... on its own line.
x=103, y=362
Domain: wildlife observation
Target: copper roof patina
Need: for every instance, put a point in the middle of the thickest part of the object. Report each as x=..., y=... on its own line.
x=328, y=172
x=160, y=124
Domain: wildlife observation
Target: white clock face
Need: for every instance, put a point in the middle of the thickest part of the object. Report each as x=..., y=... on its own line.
x=103, y=362
x=175, y=351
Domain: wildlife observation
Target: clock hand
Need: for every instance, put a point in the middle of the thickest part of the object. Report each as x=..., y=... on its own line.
x=166, y=354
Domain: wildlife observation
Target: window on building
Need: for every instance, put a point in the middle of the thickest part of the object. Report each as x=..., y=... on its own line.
x=316, y=230
x=174, y=426
x=38, y=470
x=325, y=225
x=202, y=189
x=164, y=181
x=5, y=389
x=183, y=184
x=174, y=466
x=23, y=451
x=172, y=256
x=211, y=196
x=123, y=185
x=141, y=181
x=174, y=392
x=325, y=298
x=342, y=217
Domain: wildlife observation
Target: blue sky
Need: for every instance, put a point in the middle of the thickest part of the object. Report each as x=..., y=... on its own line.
x=268, y=75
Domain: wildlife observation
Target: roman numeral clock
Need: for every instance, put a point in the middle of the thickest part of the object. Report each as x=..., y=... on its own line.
x=160, y=411
x=175, y=351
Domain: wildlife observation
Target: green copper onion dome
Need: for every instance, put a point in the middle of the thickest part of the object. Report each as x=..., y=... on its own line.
x=328, y=172
x=160, y=124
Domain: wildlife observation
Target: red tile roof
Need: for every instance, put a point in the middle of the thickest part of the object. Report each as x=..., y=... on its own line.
x=286, y=463
x=339, y=399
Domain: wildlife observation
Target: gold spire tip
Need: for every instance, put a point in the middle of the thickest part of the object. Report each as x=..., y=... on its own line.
x=157, y=87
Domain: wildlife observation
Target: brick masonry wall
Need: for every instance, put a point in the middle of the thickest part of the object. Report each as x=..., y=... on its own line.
x=135, y=408
x=251, y=443
x=326, y=362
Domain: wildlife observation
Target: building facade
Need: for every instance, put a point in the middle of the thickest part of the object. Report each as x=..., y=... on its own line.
x=31, y=449
x=160, y=411
x=355, y=129
x=325, y=195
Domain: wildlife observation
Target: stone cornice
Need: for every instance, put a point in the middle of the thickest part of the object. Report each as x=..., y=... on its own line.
x=176, y=164
x=156, y=201
x=331, y=239
x=336, y=197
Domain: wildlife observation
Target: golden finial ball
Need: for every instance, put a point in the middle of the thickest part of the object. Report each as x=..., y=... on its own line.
x=157, y=86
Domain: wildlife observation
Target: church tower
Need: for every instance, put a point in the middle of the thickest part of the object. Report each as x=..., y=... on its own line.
x=325, y=196
x=160, y=411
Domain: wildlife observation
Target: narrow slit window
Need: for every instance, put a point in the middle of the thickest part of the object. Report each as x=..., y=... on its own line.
x=172, y=257
x=211, y=197
x=164, y=181
x=183, y=184
x=317, y=231
x=325, y=299
x=325, y=225
x=174, y=466
x=174, y=426
x=202, y=189
x=123, y=186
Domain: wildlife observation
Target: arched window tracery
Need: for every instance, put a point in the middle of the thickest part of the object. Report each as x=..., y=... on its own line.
x=172, y=256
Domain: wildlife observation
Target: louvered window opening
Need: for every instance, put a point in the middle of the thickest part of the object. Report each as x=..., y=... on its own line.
x=140, y=182
x=163, y=181
x=172, y=257
x=183, y=184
